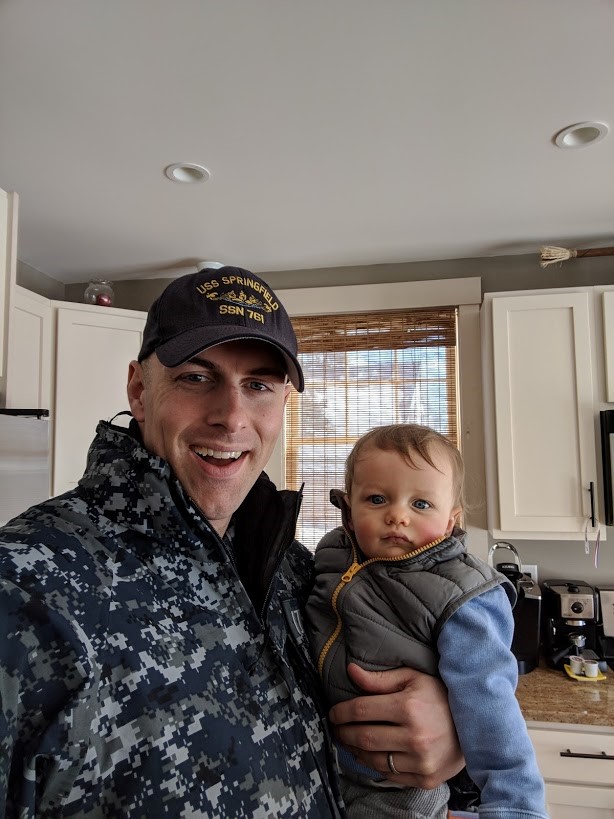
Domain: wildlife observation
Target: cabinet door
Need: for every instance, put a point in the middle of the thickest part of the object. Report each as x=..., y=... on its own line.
x=30, y=351
x=579, y=802
x=8, y=260
x=608, y=343
x=581, y=783
x=583, y=756
x=93, y=349
x=543, y=388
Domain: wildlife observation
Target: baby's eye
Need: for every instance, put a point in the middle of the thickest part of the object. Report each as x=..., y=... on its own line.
x=376, y=500
x=422, y=504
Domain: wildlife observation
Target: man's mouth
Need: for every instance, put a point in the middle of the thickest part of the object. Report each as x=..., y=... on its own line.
x=212, y=455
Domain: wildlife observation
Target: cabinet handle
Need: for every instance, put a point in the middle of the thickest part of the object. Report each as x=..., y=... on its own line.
x=591, y=491
x=602, y=755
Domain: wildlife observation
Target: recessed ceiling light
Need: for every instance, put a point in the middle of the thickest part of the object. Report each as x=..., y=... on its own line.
x=581, y=134
x=187, y=172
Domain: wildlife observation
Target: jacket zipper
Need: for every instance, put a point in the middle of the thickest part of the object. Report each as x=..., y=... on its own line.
x=281, y=554
x=324, y=772
x=348, y=576
x=286, y=542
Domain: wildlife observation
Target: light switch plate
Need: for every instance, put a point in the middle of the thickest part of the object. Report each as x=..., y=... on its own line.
x=531, y=568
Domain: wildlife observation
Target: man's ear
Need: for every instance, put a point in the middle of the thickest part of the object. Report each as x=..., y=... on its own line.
x=136, y=387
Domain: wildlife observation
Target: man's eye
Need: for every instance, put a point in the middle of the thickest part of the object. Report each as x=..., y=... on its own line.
x=258, y=386
x=422, y=504
x=376, y=500
x=194, y=378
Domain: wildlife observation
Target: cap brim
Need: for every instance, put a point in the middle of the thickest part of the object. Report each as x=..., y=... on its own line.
x=181, y=348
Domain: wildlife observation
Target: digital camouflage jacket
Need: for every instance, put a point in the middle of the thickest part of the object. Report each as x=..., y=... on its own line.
x=137, y=677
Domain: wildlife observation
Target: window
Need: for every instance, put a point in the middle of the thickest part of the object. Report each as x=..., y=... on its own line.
x=363, y=370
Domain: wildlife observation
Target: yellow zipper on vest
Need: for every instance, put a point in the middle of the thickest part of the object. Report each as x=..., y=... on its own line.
x=348, y=576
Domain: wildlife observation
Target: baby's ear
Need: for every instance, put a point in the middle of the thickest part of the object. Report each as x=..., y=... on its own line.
x=453, y=521
x=347, y=511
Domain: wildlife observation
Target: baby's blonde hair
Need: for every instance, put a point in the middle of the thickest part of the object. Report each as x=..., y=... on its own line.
x=407, y=439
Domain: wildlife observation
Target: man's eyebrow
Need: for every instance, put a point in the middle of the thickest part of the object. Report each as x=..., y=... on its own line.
x=278, y=372
x=202, y=362
x=271, y=370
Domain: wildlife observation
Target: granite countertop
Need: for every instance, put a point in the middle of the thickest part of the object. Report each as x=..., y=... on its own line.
x=549, y=695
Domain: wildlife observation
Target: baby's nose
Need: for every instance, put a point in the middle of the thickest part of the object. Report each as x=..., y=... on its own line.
x=399, y=514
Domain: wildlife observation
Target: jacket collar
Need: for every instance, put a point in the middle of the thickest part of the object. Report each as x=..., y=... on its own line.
x=136, y=489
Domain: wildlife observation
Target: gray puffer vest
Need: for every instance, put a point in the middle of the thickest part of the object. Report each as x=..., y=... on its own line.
x=386, y=613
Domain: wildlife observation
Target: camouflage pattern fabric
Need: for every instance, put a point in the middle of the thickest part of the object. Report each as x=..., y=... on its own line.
x=136, y=677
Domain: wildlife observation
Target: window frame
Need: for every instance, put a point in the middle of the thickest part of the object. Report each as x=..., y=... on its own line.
x=464, y=293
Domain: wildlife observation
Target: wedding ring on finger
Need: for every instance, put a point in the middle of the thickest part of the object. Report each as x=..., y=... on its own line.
x=391, y=767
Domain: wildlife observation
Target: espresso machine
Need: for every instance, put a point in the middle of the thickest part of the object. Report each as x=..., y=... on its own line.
x=570, y=616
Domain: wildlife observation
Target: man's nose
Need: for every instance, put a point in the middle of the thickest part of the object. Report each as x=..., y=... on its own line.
x=226, y=408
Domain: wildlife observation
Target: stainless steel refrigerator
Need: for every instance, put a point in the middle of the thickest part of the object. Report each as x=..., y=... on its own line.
x=24, y=460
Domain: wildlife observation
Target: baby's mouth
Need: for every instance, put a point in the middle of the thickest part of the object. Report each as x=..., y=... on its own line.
x=396, y=538
x=212, y=456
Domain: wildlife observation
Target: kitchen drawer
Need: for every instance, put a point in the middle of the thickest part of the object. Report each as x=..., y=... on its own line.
x=579, y=801
x=549, y=743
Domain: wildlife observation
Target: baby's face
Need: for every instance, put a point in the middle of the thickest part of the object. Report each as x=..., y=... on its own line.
x=396, y=508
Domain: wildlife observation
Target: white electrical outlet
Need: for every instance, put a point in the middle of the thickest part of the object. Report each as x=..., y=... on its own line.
x=530, y=568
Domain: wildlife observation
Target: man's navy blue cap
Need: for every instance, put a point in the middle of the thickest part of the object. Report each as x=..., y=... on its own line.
x=213, y=306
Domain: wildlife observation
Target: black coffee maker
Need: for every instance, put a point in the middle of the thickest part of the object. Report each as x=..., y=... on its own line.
x=570, y=616
x=525, y=644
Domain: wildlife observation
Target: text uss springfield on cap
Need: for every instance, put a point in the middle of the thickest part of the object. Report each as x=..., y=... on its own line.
x=205, y=287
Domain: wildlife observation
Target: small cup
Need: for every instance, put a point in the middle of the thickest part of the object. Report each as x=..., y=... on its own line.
x=591, y=668
x=577, y=665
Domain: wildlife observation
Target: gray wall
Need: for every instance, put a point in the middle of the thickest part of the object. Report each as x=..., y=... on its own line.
x=497, y=273
x=38, y=282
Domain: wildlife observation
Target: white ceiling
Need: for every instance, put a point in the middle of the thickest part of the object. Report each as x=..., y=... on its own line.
x=337, y=132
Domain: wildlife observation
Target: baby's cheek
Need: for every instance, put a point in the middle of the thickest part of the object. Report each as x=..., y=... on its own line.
x=431, y=532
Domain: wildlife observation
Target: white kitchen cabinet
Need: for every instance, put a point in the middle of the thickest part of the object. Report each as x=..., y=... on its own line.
x=30, y=351
x=579, y=802
x=8, y=261
x=541, y=445
x=577, y=763
x=94, y=346
x=607, y=298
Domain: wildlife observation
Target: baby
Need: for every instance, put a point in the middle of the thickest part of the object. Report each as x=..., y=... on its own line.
x=396, y=587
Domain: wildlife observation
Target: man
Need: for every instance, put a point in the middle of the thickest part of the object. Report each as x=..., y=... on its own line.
x=154, y=662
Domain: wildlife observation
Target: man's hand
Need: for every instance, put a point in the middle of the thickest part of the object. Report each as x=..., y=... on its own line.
x=406, y=713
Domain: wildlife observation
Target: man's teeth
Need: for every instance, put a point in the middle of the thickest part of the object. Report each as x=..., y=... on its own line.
x=216, y=453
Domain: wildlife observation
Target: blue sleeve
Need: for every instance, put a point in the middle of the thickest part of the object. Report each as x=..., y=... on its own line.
x=481, y=674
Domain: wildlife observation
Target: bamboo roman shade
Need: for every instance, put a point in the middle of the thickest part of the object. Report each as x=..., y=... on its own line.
x=364, y=370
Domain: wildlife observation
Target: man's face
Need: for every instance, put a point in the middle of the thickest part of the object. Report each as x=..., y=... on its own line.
x=214, y=419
